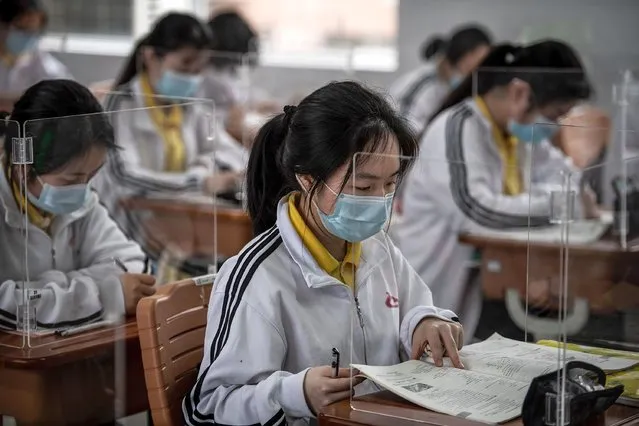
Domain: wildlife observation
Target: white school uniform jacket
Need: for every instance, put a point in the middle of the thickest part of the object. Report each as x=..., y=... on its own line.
x=456, y=186
x=419, y=94
x=72, y=269
x=274, y=313
x=29, y=70
x=138, y=167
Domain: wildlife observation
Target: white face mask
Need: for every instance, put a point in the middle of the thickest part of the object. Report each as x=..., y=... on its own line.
x=60, y=199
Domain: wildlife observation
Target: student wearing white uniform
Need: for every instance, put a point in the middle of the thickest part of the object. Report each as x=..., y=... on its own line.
x=233, y=42
x=168, y=147
x=472, y=174
x=242, y=104
x=288, y=298
x=22, y=64
x=71, y=239
x=420, y=93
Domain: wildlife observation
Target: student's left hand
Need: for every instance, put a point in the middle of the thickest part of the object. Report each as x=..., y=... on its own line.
x=440, y=338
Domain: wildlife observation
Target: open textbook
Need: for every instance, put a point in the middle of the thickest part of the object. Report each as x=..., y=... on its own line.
x=494, y=384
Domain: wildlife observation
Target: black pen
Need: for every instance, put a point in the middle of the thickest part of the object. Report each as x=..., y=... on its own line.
x=120, y=264
x=147, y=269
x=335, y=363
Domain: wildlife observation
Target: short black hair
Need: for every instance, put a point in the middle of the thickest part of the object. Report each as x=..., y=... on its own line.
x=231, y=33
x=10, y=10
x=65, y=121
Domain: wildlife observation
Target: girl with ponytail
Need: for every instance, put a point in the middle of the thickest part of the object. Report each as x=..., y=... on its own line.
x=470, y=173
x=169, y=140
x=292, y=290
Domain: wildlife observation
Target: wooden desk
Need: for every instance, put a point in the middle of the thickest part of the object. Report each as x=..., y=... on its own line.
x=592, y=269
x=190, y=226
x=70, y=380
x=384, y=408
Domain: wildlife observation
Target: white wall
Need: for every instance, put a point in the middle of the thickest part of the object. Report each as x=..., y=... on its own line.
x=612, y=44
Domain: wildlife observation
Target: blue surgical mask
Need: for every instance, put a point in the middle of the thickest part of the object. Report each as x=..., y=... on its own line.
x=356, y=217
x=173, y=84
x=455, y=80
x=60, y=199
x=542, y=129
x=20, y=42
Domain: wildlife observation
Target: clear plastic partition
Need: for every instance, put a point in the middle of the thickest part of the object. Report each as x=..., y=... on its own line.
x=184, y=209
x=600, y=291
x=243, y=106
x=300, y=85
x=464, y=231
x=574, y=271
x=16, y=159
x=623, y=147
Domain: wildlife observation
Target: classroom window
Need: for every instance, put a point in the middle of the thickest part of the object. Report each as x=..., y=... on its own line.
x=355, y=33
x=100, y=17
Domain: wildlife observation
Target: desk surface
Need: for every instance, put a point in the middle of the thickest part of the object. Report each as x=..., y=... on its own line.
x=607, y=245
x=375, y=409
x=187, y=205
x=51, y=350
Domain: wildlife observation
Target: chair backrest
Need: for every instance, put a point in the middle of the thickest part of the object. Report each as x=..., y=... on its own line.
x=171, y=326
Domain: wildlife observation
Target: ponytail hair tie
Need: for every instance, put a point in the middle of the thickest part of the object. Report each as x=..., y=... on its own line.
x=289, y=111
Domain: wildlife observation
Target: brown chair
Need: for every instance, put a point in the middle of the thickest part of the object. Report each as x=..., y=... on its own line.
x=171, y=325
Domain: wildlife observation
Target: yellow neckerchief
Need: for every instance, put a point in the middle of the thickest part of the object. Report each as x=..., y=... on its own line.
x=507, y=146
x=37, y=217
x=344, y=270
x=8, y=59
x=168, y=121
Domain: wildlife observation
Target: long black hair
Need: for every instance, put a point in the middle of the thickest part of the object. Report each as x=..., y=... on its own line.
x=10, y=10
x=74, y=126
x=317, y=137
x=527, y=64
x=231, y=34
x=172, y=32
x=432, y=47
x=463, y=41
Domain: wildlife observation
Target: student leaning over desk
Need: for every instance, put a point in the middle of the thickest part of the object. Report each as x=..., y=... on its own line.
x=22, y=64
x=71, y=239
x=169, y=147
x=321, y=256
x=473, y=174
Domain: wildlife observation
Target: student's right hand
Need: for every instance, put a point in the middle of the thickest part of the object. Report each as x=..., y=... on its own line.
x=135, y=287
x=322, y=389
x=221, y=182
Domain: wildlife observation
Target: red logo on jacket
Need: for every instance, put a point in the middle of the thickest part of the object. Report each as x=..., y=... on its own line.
x=391, y=301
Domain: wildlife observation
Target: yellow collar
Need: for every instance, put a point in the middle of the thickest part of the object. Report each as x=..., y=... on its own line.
x=37, y=217
x=168, y=122
x=344, y=270
x=173, y=116
x=508, y=151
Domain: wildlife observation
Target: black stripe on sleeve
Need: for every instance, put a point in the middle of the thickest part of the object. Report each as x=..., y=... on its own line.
x=251, y=258
x=9, y=317
x=459, y=185
x=409, y=98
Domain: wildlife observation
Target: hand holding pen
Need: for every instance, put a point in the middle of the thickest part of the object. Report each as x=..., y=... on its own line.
x=328, y=384
x=134, y=287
